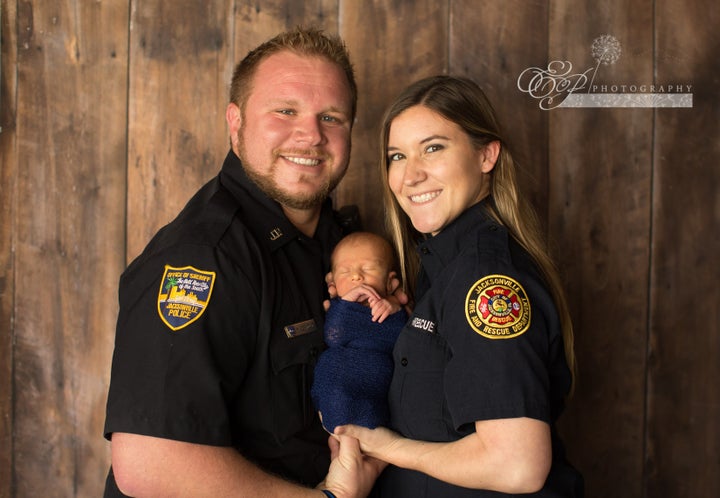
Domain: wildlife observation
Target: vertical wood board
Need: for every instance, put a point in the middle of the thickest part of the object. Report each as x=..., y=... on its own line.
x=485, y=46
x=408, y=41
x=179, y=68
x=8, y=199
x=71, y=108
x=600, y=181
x=683, y=456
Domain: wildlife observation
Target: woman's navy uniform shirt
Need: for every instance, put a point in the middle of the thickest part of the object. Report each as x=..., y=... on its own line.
x=484, y=342
x=219, y=329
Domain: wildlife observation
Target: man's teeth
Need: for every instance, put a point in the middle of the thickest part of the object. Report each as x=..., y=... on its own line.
x=424, y=197
x=303, y=161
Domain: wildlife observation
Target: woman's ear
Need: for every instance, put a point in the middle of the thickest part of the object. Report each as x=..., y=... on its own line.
x=489, y=155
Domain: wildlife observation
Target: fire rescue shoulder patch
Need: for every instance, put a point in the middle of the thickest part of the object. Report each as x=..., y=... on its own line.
x=497, y=307
x=184, y=295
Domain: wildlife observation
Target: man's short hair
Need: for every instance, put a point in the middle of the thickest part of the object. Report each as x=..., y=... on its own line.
x=302, y=41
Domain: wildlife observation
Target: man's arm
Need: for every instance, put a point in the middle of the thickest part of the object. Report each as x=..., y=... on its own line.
x=150, y=466
x=156, y=467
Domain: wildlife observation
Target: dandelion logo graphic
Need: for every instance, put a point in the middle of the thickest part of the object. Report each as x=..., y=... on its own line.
x=606, y=50
x=558, y=86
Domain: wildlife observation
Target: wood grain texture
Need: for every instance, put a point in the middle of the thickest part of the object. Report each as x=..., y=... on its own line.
x=485, y=46
x=600, y=195
x=113, y=115
x=180, y=65
x=391, y=44
x=71, y=107
x=683, y=457
x=256, y=22
x=8, y=198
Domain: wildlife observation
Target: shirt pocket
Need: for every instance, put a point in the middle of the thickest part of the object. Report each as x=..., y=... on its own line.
x=417, y=398
x=293, y=362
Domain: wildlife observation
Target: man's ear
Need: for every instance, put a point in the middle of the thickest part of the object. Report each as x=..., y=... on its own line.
x=233, y=116
x=489, y=155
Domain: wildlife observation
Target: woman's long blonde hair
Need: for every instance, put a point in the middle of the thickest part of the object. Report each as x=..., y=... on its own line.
x=463, y=102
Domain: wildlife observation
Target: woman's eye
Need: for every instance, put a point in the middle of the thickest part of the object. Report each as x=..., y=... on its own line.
x=396, y=157
x=434, y=148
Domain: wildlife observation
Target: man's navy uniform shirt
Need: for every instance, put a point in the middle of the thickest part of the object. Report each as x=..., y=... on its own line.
x=219, y=329
x=484, y=342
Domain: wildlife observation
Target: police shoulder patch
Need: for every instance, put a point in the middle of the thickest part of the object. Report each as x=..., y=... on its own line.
x=497, y=307
x=184, y=294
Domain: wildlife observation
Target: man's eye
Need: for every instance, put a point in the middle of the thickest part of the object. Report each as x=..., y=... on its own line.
x=286, y=111
x=329, y=119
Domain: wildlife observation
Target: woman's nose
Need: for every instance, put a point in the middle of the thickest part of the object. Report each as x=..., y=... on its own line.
x=414, y=172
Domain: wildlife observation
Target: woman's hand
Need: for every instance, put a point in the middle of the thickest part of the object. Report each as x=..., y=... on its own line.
x=378, y=443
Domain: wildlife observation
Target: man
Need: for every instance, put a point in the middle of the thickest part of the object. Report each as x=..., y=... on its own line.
x=221, y=316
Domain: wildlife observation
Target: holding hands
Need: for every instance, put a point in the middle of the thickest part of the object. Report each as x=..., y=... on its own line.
x=351, y=473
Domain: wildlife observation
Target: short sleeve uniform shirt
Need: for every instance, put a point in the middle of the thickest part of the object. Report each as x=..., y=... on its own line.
x=219, y=328
x=483, y=342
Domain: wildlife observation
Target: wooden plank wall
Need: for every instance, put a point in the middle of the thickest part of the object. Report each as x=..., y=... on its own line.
x=112, y=115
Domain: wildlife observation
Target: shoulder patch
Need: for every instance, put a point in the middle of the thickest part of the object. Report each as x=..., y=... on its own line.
x=497, y=307
x=184, y=294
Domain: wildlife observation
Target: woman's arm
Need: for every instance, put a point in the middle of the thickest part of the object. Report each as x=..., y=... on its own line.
x=507, y=455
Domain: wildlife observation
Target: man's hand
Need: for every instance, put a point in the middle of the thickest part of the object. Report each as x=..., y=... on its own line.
x=351, y=473
x=332, y=290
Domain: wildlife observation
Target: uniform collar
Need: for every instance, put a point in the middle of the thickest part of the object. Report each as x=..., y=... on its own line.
x=438, y=251
x=263, y=215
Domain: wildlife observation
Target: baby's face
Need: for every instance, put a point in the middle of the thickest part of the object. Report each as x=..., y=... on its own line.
x=361, y=262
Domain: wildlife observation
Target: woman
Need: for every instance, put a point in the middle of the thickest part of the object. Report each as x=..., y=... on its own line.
x=485, y=361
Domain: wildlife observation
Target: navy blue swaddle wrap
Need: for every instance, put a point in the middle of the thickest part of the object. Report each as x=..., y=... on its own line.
x=353, y=375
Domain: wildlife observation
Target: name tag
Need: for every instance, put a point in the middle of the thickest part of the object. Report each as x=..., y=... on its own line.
x=300, y=328
x=423, y=324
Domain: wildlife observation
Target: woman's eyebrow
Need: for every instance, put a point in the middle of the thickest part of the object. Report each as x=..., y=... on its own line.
x=434, y=137
x=424, y=140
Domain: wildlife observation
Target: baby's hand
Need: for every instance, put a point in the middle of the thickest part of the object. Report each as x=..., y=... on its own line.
x=382, y=308
x=361, y=294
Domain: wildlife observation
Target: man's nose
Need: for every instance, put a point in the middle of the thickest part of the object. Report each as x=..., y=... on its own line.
x=308, y=130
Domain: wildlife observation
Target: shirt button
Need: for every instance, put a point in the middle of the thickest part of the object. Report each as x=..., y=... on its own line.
x=404, y=362
x=425, y=250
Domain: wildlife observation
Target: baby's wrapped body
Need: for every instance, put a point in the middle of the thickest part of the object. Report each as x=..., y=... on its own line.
x=352, y=376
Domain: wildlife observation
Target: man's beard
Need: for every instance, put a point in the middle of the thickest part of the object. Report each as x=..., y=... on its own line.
x=266, y=183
